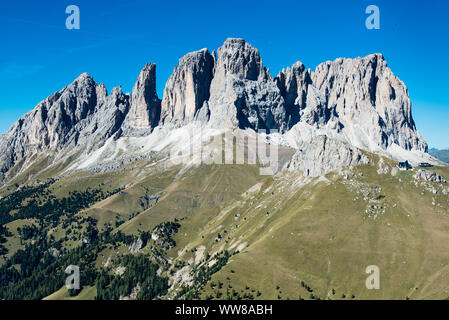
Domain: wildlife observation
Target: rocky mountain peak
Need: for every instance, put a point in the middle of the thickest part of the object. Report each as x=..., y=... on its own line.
x=187, y=89
x=237, y=57
x=101, y=92
x=192, y=59
x=144, y=113
x=81, y=115
x=242, y=94
x=145, y=86
x=83, y=77
x=293, y=83
x=370, y=103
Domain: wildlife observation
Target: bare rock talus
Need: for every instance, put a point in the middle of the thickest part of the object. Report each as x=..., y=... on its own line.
x=322, y=155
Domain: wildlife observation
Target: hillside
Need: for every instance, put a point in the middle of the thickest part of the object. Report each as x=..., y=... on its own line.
x=279, y=231
x=235, y=185
x=442, y=155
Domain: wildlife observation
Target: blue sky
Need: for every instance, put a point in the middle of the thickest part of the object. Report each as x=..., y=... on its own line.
x=39, y=56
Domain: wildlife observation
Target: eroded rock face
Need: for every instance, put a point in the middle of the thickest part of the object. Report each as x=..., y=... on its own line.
x=362, y=99
x=242, y=92
x=238, y=58
x=80, y=115
x=322, y=155
x=187, y=90
x=105, y=122
x=294, y=84
x=145, y=110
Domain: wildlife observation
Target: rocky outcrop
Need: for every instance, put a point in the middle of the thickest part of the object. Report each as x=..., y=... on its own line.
x=136, y=246
x=322, y=155
x=361, y=100
x=382, y=167
x=430, y=176
x=242, y=92
x=105, y=121
x=145, y=110
x=358, y=100
x=187, y=89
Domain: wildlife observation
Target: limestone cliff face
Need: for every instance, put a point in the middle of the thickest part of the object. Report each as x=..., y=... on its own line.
x=371, y=103
x=187, y=90
x=242, y=92
x=145, y=110
x=359, y=99
x=80, y=115
x=294, y=84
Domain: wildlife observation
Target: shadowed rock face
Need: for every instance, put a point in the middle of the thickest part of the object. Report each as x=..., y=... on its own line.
x=145, y=110
x=238, y=58
x=242, y=92
x=358, y=98
x=293, y=83
x=359, y=101
x=187, y=90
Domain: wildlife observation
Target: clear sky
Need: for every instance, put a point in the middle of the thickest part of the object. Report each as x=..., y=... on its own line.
x=39, y=56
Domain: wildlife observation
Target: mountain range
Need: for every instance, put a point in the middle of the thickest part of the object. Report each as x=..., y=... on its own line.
x=358, y=101
x=114, y=182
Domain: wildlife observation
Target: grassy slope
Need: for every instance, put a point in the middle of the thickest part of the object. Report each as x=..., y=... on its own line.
x=314, y=232
x=195, y=197
x=328, y=241
x=200, y=191
x=87, y=293
x=13, y=244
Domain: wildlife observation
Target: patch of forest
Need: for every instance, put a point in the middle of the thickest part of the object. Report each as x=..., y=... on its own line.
x=38, y=268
